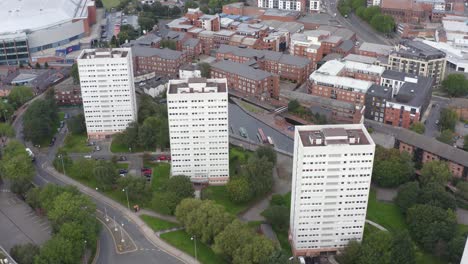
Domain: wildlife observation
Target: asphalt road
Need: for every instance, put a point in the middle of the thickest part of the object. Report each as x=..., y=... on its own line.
x=146, y=253
x=437, y=104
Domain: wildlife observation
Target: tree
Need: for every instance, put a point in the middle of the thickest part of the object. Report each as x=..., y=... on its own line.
x=431, y=225
x=402, y=251
x=57, y=250
x=355, y=4
x=38, y=66
x=190, y=4
x=434, y=194
x=208, y=221
x=17, y=167
x=185, y=209
x=448, y=119
x=164, y=202
x=147, y=22
x=105, y=174
x=69, y=207
x=446, y=136
x=462, y=189
x=278, y=257
x=376, y=248
x=267, y=152
x=465, y=142
x=147, y=133
x=46, y=65
x=392, y=168
x=418, y=127
x=40, y=121
x=137, y=189
x=435, y=172
x=277, y=216
x=168, y=43
x=408, y=195
x=76, y=124
x=239, y=190
x=455, y=85
x=6, y=130
x=255, y=252
x=205, y=69
x=232, y=238
x=74, y=73
x=370, y=12
x=20, y=95
x=350, y=254
x=260, y=175
x=382, y=23
x=293, y=105
x=455, y=248
x=181, y=186
x=25, y=253
x=6, y=110
x=113, y=42
x=83, y=167
x=360, y=11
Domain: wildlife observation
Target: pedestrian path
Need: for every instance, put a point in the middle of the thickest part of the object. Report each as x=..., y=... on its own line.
x=169, y=218
x=376, y=225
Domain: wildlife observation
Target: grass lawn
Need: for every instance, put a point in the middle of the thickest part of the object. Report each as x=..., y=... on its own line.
x=108, y=4
x=61, y=115
x=181, y=240
x=118, y=148
x=251, y=108
x=158, y=224
x=122, y=165
x=219, y=195
x=160, y=174
x=76, y=144
x=385, y=214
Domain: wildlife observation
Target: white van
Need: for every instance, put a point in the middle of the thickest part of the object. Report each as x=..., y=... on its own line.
x=87, y=157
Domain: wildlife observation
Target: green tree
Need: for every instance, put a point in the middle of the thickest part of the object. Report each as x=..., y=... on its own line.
x=186, y=208
x=76, y=124
x=147, y=22
x=168, y=43
x=255, y=252
x=57, y=250
x=24, y=253
x=408, y=195
x=370, y=12
x=105, y=174
x=462, y=189
x=75, y=74
x=430, y=225
x=46, y=65
x=207, y=221
x=138, y=190
x=448, y=119
x=17, y=167
x=465, y=142
x=40, y=121
x=382, y=23
x=278, y=257
x=402, y=250
x=205, y=69
x=6, y=130
x=392, y=168
x=20, y=95
x=351, y=253
x=239, y=190
x=165, y=202
x=434, y=194
x=190, y=4
x=84, y=168
x=435, y=172
x=455, y=248
x=268, y=152
x=232, y=238
x=48, y=194
x=181, y=186
x=277, y=216
x=260, y=175
x=455, y=85
x=6, y=110
x=293, y=105
x=355, y=4
x=376, y=249
x=147, y=133
x=446, y=136
x=38, y=66
x=418, y=127
x=32, y=197
x=69, y=207
x=360, y=11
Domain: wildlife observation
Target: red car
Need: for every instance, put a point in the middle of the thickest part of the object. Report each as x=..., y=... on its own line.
x=146, y=171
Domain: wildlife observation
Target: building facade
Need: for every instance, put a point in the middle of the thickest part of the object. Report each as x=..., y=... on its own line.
x=107, y=89
x=415, y=57
x=199, y=129
x=332, y=168
x=160, y=61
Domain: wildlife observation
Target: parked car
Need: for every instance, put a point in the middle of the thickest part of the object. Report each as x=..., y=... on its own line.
x=52, y=141
x=122, y=158
x=123, y=171
x=145, y=171
x=97, y=148
x=87, y=157
x=243, y=132
x=66, y=116
x=62, y=124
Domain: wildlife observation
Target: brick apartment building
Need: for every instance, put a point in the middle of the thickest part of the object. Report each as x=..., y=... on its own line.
x=246, y=80
x=400, y=99
x=161, y=61
x=404, y=10
x=373, y=50
x=67, y=93
x=294, y=68
x=194, y=18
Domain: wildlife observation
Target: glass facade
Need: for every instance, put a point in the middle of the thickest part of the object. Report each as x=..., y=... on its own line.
x=14, y=51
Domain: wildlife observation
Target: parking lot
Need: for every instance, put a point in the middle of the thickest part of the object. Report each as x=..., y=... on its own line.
x=19, y=224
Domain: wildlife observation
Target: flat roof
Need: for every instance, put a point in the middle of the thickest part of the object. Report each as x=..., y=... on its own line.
x=332, y=68
x=168, y=54
x=418, y=49
x=329, y=135
x=377, y=48
x=197, y=85
x=33, y=14
x=360, y=58
x=340, y=82
x=363, y=67
x=104, y=53
x=241, y=70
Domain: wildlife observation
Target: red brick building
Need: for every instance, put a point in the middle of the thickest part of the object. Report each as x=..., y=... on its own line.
x=246, y=80
x=67, y=93
x=161, y=61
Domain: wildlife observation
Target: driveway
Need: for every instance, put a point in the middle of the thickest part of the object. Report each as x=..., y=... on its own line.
x=19, y=224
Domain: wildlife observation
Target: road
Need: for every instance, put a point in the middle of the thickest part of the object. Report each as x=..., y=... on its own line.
x=147, y=252
x=435, y=107
x=363, y=31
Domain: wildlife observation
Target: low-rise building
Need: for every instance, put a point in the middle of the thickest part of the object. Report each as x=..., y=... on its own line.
x=68, y=93
x=161, y=61
x=246, y=80
x=460, y=105
x=373, y=50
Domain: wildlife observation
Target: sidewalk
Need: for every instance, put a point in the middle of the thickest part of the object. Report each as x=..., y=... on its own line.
x=144, y=229
x=157, y=215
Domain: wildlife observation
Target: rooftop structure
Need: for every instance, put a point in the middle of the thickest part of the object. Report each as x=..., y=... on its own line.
x=360, y=58
x=241, y=70
x=346, y=83
x=168, y=54
x=418, y=50
x=367, y=47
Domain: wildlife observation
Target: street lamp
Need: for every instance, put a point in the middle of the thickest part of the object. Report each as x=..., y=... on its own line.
x=126, y=192
x=60, y=156
x=115, y=225
x=121, y=234
x=194, y=238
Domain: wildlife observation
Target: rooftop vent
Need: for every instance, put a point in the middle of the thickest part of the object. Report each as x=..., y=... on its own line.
x=412, y=91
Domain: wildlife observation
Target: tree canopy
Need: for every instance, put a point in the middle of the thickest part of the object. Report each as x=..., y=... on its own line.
x=40, y=121
x=435, y=172
x=20, y=95
x=446, y=136
x=75, y=74
x=455, y=85
x=173, y=192
x=448, y=119
x=418, y=127
x=76, y=124
x=205, y=69
x=392, y=168
x=16, y=166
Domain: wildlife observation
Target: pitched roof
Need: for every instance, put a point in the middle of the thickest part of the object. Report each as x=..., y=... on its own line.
x=241, y=69
x=168, y=54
